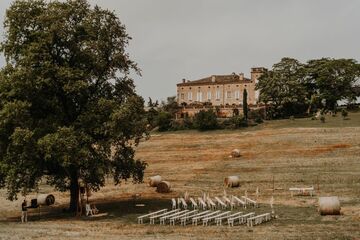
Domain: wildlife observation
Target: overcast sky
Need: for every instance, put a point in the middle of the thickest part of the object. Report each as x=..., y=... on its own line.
x=192, y=39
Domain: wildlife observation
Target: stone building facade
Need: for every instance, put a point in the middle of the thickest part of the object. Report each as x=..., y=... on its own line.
x=220, y=90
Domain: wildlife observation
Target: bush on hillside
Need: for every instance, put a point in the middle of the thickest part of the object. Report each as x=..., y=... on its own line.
x=344, y=113
x=257, y=115
x=206, y=120
x=322, y=118
x=188, y=122
x=164, y=120
x=234, y=122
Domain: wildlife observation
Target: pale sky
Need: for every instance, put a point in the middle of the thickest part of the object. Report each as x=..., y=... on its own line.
x=191, y=39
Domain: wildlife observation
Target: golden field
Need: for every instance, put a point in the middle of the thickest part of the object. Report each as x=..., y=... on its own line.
x=283, y=154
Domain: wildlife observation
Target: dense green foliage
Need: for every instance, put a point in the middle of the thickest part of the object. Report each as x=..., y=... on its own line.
x=245, y=104
x=164, y=120
x=152, y=113
x=344, y=113
x=206, y=120
x=292, y=88
x=68, y=109
x=331, y=80
x=282, y=87
x=171, y=106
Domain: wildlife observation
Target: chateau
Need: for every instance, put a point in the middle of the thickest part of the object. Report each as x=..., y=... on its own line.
x=220, y=90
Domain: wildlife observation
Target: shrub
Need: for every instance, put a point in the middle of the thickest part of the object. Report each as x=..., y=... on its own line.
x=175, y=125
x=188, y=122
x=164, y=121
x=344, y=113
x=239, y=122
x=258, y=120
x=234, y=122
x=206, y=120
x=322, y=118
x=257, y=115
x=151, y=116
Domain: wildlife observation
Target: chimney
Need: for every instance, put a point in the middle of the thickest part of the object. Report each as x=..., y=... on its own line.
x=183, y=80
x=241, y=76
x=213, y=78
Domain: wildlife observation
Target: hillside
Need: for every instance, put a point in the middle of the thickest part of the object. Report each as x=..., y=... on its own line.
x=282, y=154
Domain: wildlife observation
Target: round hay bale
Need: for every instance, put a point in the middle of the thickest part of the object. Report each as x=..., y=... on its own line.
x=235, y=153
x=154, y=180
x=163, y=187
x=329, y=205
x=45, y=199
x=232, y=181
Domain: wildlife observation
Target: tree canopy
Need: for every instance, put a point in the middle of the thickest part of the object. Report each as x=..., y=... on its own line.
x=282, y=85
x=291, y=87
x=332, y=80
x=68, y=108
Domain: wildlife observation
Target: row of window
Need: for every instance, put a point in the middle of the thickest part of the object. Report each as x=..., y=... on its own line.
x=213, y=87
x=199, y=95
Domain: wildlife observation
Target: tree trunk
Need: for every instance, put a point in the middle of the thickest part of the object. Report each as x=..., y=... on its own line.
x=74, y=192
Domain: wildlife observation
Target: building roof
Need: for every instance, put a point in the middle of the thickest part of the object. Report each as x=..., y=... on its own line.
x=216, y=79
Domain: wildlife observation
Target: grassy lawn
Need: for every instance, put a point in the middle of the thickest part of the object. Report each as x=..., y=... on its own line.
x=286, y=153
x=353, y=120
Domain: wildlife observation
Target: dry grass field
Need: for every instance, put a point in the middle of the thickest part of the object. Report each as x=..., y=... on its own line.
x=285, y=153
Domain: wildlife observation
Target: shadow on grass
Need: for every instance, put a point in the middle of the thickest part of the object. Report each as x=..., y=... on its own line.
x=127, y=210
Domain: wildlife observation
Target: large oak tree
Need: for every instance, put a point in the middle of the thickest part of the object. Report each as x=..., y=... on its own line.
x=68, y=108
x=331, y=80
x=283, y=85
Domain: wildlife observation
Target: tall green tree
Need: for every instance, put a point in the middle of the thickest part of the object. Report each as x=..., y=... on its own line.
x=152, y=113
x=283, y=85
x=245, y=105
x=163, y=121
x=171, y=106
x=330, y=80
x=68, y=109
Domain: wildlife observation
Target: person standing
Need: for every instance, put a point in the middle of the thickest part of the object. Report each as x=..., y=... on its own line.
x=24, y=211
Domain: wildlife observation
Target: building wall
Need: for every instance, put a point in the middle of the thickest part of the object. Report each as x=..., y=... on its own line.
x=220, y=94
x=255, y=74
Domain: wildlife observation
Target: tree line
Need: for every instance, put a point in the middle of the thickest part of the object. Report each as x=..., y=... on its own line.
x=292, y=88
x=162, y=116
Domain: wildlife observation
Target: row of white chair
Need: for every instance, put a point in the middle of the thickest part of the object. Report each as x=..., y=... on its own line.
x=216, y=203
x=206, y=217
x=242, y=219
x=141, y=218
x=255, y=220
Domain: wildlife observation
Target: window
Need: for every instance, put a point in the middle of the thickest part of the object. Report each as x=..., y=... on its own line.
x=182, y=96
x=209, y=95
x=199, y=96
x=190, y=96
x=228, y=94
x=218, y=94
x=237, y=94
